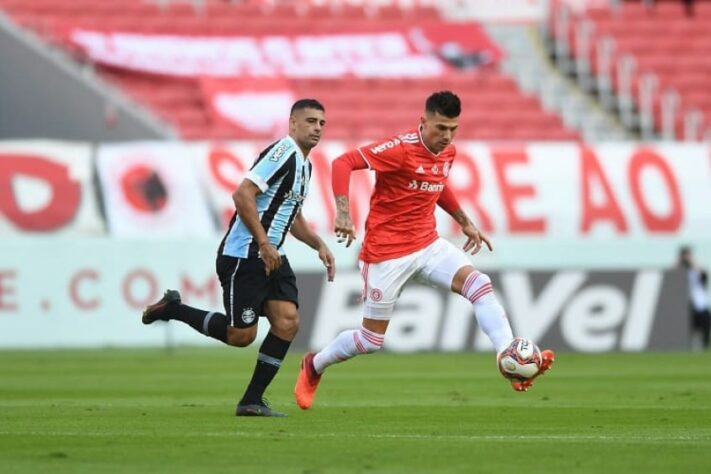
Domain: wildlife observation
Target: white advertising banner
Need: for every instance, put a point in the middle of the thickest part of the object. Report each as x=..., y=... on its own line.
x=567, y=192
x=609, y=191
x=93, y=291
x=151, y=190
x=47, y=187
x=57, y=292
x=222, y=167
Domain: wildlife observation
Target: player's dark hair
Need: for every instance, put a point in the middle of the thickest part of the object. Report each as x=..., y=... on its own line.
x=307, y=104
x=444, y=103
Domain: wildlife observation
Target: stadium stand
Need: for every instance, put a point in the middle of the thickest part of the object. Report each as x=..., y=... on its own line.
x=658, y=62
x=495, y=107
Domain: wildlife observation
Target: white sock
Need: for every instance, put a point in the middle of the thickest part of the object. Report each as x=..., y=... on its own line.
x=346, y=345
x=489, y=313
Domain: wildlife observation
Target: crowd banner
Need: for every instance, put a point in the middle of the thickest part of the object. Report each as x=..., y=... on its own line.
x=47, y=187
x=151, y=190
x=252, y=106
x=431, y=50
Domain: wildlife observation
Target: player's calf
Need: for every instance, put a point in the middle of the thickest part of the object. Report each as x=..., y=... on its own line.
x=346, y=345
x=490, y=315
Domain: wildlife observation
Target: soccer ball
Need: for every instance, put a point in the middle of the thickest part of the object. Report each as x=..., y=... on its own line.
x=520, y=360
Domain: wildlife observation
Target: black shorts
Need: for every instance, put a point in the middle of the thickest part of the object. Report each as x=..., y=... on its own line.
x=245, y=287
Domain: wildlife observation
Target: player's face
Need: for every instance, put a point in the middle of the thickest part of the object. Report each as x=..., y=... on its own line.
x=438, y=131
x=305, y=126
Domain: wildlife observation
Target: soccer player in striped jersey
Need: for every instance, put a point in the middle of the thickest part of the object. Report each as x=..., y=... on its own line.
x=254, y=271
x=401, y=241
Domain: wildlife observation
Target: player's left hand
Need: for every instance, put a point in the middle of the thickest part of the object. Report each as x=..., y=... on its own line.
x=328, y=261
x=475, y=238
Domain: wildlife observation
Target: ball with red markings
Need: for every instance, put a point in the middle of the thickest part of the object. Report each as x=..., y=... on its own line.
x=520, y=360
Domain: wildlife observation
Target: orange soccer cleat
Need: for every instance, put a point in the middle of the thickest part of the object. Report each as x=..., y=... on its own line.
x=547, y=359
x=306, y=383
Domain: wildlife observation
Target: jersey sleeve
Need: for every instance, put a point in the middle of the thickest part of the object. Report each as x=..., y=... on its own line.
x=448, y=201
x=384, y=156
x=341, y=169
x=270, y=167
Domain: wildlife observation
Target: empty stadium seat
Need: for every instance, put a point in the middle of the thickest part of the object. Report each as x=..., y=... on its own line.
x=665, y=41
x=357, y=109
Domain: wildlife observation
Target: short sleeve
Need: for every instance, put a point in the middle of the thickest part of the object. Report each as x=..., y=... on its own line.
x=267, y=169
x=384, y=156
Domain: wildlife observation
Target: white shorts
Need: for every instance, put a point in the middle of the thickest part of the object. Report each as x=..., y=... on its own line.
x=435, y=265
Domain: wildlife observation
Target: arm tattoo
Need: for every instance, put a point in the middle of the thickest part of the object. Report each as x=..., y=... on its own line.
x=342, y=204
x=460, y=217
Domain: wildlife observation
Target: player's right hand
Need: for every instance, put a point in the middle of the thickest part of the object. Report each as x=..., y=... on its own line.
x=270, y=256
x=344, y=228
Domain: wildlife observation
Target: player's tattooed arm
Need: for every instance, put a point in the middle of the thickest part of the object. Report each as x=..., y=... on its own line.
x=344, y=228
x=461, y=218
x=475, y=237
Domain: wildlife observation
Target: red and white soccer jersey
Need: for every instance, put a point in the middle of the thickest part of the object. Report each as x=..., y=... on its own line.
x=409, y=181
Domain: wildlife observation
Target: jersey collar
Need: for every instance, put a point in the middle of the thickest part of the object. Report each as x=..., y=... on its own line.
x=419, y=134
x=296, y=147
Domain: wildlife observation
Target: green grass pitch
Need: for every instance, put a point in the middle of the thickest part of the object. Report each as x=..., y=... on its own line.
x=153, y=411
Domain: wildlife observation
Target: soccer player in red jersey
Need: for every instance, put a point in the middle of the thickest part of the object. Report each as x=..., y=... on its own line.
x=401, y=240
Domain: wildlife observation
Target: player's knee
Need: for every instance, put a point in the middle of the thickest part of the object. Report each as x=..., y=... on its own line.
x=240, y=338
x=287, y=325
x=483, y=280
x=475, y=283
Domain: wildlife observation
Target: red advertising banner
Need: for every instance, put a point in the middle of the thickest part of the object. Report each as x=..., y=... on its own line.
x=47, y=187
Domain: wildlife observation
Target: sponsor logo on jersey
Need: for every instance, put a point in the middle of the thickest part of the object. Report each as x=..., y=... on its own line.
x=408, y=137
x=385, y=146
x=248, y=315
x=420, y=170
x=279, y=152
x=292, y=196
x=431, y=187
x=435, y=169
x=426, y=186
